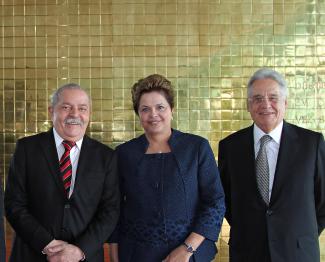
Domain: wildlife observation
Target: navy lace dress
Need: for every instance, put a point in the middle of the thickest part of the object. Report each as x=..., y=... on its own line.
x=159, y=227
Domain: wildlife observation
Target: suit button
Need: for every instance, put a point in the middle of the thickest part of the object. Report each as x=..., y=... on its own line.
x=269, y=212
x=67, y=206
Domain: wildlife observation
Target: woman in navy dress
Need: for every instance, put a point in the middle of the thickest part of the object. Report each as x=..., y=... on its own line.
x=172, y=203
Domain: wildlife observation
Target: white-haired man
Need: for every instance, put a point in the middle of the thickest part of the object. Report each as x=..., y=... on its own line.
x=273, y=174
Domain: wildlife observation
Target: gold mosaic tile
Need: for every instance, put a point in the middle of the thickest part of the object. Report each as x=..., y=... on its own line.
x=208, y=49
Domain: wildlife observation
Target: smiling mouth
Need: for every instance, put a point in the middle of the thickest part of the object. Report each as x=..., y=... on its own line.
x=73, y=122
x=266, y=113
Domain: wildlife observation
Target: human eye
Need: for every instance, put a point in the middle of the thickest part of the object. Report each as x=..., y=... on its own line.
x=258, y=99
x=144, y=109
x=83, y=109
x=273, y=98
x=161, y=107
x=66, y=107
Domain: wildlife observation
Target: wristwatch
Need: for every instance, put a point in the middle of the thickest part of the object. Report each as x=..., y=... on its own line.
x=189, y=248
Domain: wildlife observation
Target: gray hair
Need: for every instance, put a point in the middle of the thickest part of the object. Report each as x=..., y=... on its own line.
x=271, y=74
x=56, y=95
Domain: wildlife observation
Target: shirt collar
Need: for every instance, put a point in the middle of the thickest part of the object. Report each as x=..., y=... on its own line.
x=275, y=133
x=58, y=140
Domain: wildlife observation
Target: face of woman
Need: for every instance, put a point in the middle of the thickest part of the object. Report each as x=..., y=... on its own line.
x=155, y=113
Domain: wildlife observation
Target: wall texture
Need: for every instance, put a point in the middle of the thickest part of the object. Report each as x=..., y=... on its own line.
x=207, y=48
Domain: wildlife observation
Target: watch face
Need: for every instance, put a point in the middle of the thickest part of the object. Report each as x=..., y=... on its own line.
x=189, y=248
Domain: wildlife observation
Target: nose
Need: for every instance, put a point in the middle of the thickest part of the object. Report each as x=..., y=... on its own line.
x=154, y=112
x=74, y=111
x=266, y=102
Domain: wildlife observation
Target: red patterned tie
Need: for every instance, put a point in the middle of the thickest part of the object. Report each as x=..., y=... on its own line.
x=65, y=166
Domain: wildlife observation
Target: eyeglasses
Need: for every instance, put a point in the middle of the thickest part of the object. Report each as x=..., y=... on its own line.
x=258, y=99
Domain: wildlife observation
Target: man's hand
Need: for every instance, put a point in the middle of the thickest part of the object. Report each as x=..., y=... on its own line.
x=69, y=253
x=53, y=247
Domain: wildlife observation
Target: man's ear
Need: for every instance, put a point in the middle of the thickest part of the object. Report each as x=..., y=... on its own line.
x=247, y=105
x=50, y=111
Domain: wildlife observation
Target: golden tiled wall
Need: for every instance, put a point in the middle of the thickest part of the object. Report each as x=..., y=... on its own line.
x=208, y=48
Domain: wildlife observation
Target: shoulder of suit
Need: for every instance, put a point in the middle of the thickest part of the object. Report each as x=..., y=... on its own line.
x=238, y=135
x=134, y=142
x=301, y=131
x=96, y=143
x=182, y=138
x=186, y=145
x=35, y=137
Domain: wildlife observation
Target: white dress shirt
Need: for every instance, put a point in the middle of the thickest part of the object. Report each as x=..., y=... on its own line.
x=272, y=149
x=74, y=155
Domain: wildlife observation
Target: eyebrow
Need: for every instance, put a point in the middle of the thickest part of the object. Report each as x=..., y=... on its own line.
x=274, y=94
x=69, y=104
x=160, y=104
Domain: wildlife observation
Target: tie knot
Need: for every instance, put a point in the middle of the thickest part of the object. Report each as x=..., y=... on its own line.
x=68, y=144
x=265, y=139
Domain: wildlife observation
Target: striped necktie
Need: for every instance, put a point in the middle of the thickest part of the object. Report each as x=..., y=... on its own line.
x=262, y=169
x=65, y=166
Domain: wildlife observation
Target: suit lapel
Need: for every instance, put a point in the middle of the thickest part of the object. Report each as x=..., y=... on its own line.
x=287, y=152
x=248, y=157
x=85, y=151
x=48, y=147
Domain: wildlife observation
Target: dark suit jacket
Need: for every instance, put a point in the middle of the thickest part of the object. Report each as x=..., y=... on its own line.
x=38, y=210
x=2, y=233
x=290, y=226
x=203, y=208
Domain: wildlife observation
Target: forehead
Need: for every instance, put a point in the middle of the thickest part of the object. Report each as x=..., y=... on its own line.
x=152, y=97
x=265, y=86
x=74, y=96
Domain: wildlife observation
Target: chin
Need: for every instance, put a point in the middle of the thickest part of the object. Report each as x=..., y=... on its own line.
x=77, y=135
x=154, y=131
x=151, y=131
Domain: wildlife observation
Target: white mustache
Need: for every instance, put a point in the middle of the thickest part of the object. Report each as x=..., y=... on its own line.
x=73, y=121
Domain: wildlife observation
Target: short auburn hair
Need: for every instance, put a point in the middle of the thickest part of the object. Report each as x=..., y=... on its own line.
x=149, y=84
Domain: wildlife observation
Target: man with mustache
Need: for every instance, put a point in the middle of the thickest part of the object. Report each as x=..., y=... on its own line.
x=273, y=174
x=62, y=196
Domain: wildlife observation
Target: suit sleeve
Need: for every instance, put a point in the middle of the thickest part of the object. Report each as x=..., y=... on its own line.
x=225, y=178
x=320, y=185
x=16, y=204
x=106, y=217
x=211, y=207
x=114, y=237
